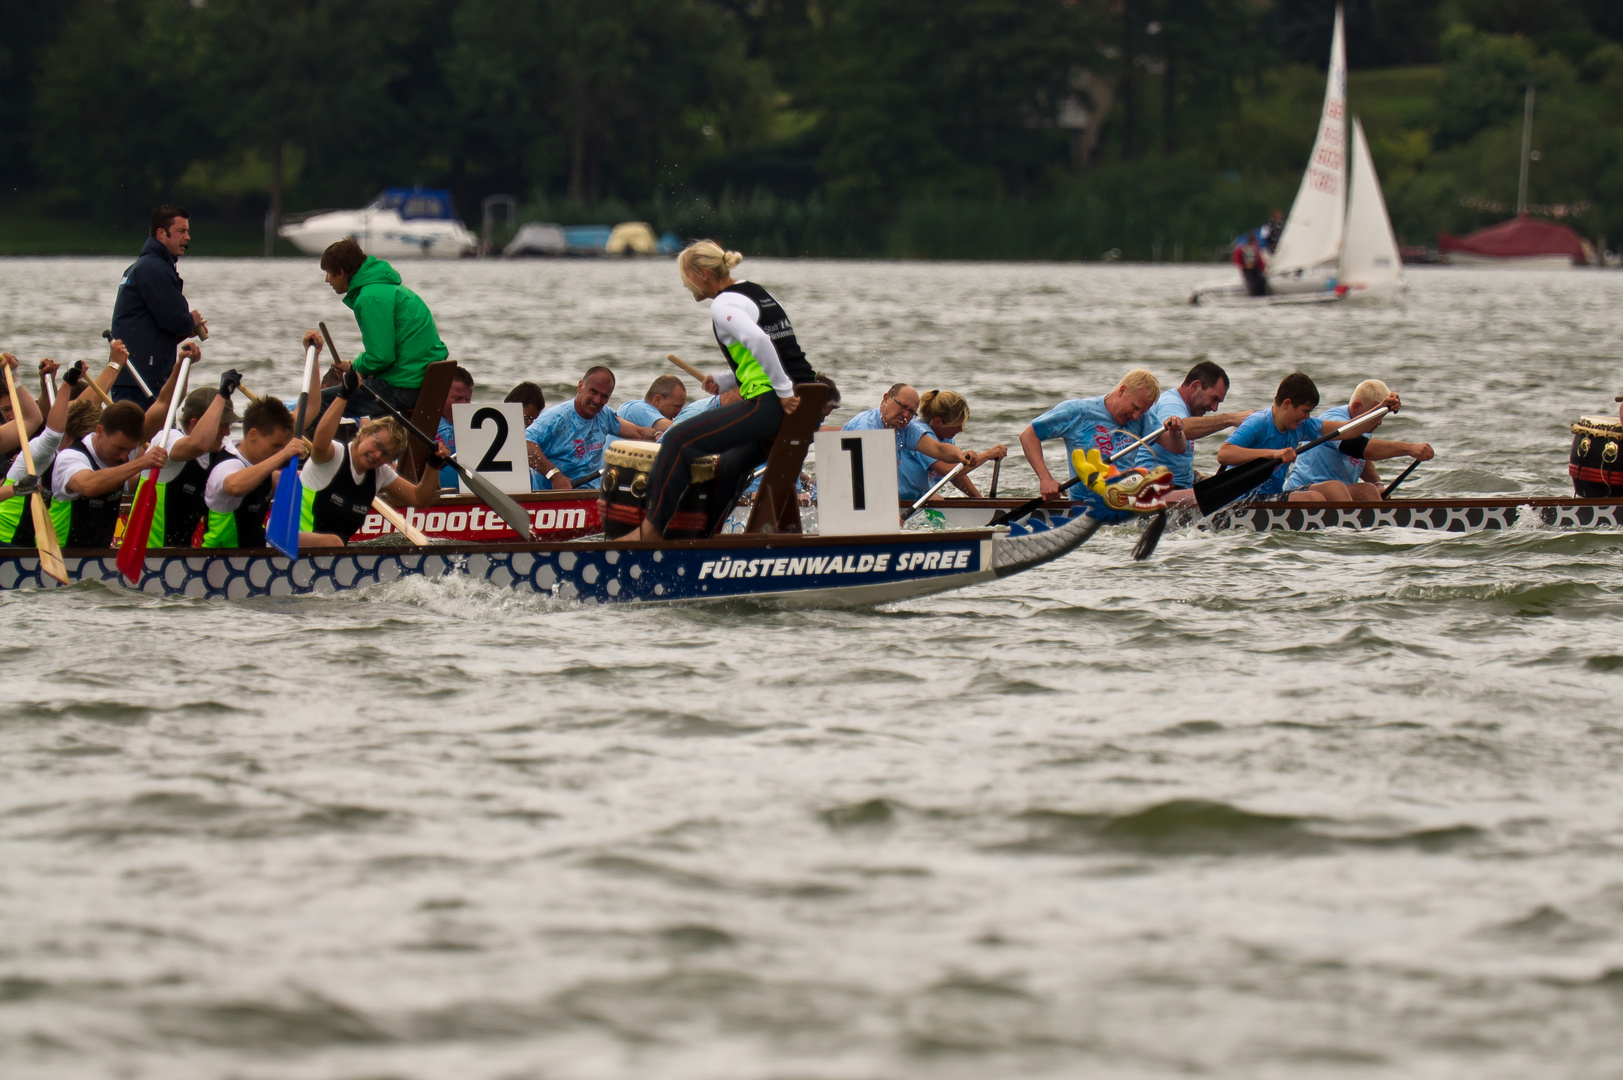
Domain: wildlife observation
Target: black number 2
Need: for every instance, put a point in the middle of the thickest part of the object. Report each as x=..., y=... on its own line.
x=859, y=491
x=488, y=463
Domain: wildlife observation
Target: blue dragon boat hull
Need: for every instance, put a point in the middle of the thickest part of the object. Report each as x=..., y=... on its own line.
x=794, y=570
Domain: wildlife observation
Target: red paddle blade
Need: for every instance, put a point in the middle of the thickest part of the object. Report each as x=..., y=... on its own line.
x=132, y=551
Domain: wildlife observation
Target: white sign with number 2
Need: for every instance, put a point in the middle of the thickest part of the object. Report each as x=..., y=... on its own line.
x=490, y=442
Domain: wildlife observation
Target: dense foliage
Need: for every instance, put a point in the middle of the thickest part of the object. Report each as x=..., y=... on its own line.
x=1038, y=128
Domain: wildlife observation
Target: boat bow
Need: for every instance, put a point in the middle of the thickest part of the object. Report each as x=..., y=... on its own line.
x=1020, y=549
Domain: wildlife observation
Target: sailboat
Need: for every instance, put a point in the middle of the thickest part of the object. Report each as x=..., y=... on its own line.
x=1336, y=243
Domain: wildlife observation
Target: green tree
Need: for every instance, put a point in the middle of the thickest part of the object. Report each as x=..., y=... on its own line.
x=119, y=112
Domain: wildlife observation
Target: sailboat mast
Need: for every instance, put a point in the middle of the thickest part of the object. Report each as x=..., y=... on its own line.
x=1527, y=154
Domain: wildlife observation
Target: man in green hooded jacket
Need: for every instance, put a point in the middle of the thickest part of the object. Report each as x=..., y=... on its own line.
x=398, y=337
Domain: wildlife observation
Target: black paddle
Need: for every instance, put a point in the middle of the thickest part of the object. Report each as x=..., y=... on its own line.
x=1216, y=492
x=1402, y=476
x=1003, y=517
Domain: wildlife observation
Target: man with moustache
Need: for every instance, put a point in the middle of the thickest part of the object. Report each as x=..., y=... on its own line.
x=1203, y=390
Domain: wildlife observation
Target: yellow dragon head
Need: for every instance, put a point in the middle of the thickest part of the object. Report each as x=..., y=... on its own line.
x=1133, y=491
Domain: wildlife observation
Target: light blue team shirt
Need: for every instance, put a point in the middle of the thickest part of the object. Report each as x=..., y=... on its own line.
x=447, y=434
x=1170, y=403
x=694, y=408
x=1258, y=432
x=913, y=476
x=638, y=412
x=907, y=442
x=1085, y=424
x=1326, y=462
x=571, y=442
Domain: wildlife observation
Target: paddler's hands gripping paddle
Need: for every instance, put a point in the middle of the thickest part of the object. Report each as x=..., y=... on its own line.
x=50, y=551
x=132, y=551
x=1029, y=505
x=1216, y=492
x=508, y=510
x=282, y=530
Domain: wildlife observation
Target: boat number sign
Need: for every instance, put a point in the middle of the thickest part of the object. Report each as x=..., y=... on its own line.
x=856, y=483
x=490, y=441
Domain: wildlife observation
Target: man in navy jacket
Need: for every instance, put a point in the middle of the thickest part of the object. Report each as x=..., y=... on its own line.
x=151, y=315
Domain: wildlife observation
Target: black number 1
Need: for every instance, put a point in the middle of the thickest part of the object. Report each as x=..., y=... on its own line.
x=859, y=492
x=488, y=463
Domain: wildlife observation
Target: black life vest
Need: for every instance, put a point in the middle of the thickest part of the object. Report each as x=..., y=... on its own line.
x=93, y=520
x=776, y=324
x=341, y=507
x=183, y=505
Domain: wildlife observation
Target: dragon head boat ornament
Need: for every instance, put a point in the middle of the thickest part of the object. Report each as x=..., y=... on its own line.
x=1115, y=495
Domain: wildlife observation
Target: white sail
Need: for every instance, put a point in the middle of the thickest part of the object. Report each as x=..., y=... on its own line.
x=1369, y=254
x=1313, y=231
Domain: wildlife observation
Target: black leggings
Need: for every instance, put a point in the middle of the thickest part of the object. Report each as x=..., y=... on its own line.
x=733, y=431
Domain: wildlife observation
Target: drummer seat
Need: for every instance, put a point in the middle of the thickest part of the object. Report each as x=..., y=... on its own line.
x=777, y=505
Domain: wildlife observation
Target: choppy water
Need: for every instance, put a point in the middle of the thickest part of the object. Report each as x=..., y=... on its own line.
x=1278, y=806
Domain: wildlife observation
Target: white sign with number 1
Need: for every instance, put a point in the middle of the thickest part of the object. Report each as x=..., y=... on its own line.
x=856, y=483
x=490, y=442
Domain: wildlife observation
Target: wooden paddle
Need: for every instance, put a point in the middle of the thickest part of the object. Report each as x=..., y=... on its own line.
x=488, y=493
x=1029, y=505
x=132, y=550
x=45, y=541
x=939, y=484
x=1402, y=476
x=287, y=505
x=1216, y=492
x=685, y=366
x=997, y=466
x=96, y=386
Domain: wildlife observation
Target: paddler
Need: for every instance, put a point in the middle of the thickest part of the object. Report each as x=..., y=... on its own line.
x=1202, y=391
x=242, y=476
x=565, y=444
x=1339, y=476
x=942, y=417
x=205, y=418
x=341, y=480
x=1113, y=421
x=14, y=514
x=13, y=433
x=659, y=407
x=1274, y=433
x=89, y=474
x=398, y=336
x=764, y=364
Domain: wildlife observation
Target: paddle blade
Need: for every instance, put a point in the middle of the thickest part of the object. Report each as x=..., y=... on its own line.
x=50, y=552
x=1216, y=492
x=132, y=551
x=282, y=530
x=1150, y=537
x=509, y=511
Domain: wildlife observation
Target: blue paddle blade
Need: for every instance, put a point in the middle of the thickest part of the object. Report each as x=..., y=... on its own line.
x=282, y=530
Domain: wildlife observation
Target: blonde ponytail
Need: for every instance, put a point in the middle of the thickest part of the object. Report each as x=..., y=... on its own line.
x=947, y=406
x=707, y=255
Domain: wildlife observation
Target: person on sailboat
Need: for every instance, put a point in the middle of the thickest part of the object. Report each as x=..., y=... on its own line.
x=1253, y=265
x=1340, y=476
x=1272, y=231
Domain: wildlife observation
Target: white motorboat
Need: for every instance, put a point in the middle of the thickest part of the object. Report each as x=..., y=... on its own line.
x=1336, y=243
x=399, y=223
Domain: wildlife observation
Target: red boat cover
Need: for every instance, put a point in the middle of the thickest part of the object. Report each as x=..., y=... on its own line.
x=1518, y=239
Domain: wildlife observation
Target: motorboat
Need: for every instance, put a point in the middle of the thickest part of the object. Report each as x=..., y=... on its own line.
x=1338, y=240
x=400, y=223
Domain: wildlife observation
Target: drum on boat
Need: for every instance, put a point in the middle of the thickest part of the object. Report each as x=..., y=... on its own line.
x=626, y=468
x=1597, y=442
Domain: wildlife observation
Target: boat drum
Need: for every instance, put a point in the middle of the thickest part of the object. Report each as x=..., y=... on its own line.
x=1594, y=467
x=626, y=467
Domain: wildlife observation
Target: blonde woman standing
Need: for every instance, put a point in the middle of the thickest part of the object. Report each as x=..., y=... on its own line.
x=764, y=362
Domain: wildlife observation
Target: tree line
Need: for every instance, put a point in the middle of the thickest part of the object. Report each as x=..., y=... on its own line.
x=805, y=126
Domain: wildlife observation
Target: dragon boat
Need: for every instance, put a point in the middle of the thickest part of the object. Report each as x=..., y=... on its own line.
x=772, y=560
